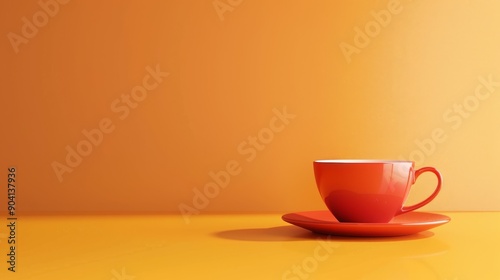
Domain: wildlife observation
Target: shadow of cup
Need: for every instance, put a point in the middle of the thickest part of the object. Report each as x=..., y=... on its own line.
x=293, y=233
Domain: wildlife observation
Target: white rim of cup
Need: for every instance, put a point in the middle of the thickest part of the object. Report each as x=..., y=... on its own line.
x=358, y=161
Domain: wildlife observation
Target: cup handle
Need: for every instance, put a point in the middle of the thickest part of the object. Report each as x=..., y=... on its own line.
x=431, y=197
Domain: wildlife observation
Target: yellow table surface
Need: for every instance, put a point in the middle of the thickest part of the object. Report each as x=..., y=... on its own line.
x=120, y=247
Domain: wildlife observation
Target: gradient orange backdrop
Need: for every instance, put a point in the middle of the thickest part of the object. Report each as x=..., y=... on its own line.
x=231, y=66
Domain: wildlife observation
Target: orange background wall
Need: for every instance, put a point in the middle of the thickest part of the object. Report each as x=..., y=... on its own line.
x=231, y=68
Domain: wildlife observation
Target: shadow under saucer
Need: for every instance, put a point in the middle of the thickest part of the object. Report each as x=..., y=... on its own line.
x=293, y=233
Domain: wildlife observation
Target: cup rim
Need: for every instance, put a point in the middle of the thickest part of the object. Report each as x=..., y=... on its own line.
x=360, y=161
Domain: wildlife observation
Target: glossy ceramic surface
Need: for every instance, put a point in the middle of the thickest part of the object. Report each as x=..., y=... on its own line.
x=368, y=191
x=405, y=224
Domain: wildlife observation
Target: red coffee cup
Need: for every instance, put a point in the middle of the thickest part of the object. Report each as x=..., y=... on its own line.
x=368, y=191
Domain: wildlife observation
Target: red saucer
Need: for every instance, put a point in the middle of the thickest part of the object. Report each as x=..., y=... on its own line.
x=405, y=224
